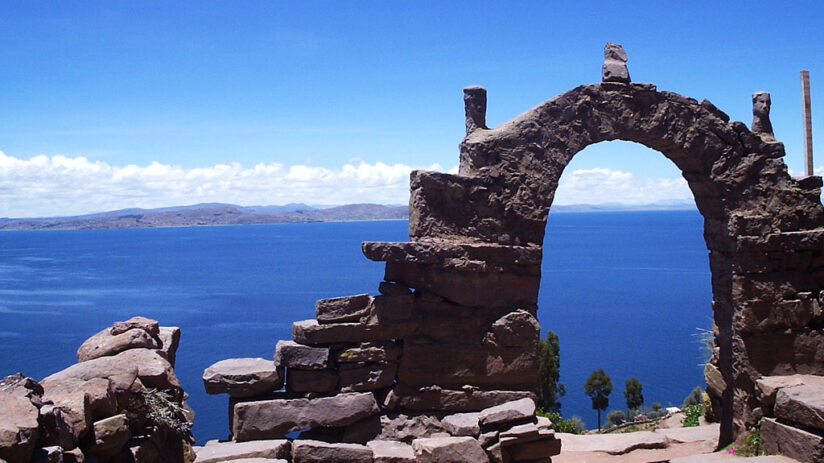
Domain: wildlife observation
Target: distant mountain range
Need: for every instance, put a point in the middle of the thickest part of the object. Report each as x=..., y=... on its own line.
x=669, y=205
x=210, y=214
x=231, y=214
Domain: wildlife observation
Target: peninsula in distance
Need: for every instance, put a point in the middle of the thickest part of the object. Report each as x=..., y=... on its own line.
x=211, y=214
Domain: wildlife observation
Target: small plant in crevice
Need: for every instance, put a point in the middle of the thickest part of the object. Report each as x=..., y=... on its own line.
x=751, y=445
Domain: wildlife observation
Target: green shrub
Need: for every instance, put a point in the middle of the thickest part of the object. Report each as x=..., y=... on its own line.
x=694, y=413
x=573, y=425
x=615, y=418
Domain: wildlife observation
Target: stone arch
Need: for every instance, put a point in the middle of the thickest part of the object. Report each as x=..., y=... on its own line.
x=761, y=226
x=454, y=328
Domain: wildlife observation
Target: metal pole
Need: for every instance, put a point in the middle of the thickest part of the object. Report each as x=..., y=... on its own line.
x=808, y=123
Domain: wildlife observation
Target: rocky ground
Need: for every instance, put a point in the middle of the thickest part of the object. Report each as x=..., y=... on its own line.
x=674, y=445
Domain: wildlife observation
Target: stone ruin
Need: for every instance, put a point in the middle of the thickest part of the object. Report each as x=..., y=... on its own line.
x=453, y=330
x=441, y=364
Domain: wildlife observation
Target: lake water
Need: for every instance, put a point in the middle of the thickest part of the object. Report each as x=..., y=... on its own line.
x=626, y=292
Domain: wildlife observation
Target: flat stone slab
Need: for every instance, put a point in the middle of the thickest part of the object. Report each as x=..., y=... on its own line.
x=293, y=355
x=802, y=404
x=448, y=450
x=725, y=457
x=613, y=444
x=387, y=451
x=440, y=253
x=311, y=332
x=242, y=377
x=312, y=451
x=450, y=400
x=231, y=451
x=768, y=386
x=706, y=433
x=342, y=309
x=517, y=410
x=273, y=419
x=462, y=424
x=781, y=439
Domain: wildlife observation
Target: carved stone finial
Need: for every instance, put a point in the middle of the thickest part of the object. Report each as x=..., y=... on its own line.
x=761, y=114
x=475, y=108
x=615, y=64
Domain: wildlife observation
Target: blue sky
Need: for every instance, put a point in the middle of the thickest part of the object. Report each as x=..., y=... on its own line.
x=144, y=104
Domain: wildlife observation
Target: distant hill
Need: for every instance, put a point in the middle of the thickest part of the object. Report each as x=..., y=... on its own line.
x=674, y=205
x=210, y=214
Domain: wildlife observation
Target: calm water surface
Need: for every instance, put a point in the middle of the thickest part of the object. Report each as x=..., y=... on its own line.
x=624, y=291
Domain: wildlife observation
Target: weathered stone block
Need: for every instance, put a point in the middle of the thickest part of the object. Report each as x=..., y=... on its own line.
x=109, y=436
x=534, y=449
x=242, y=377
x=385, y=451
x=510, y=412
x=105, y=343
x=146, y=324
x=311, y=332
x=462, y=424
x=342, y=309
x=403, y=397
x=370, y=352
x=226, y=451
x=363, y=431
x=310, y=451
x=516, y=329
x=448, y=449
x=802, y=404
x=19, y=429
x=272, y=419
x=768, y=386
x=781, y=439
x=293, y=355
x=388, y=309
x=367, y=377
x=481, y=286
x=170, y=339
x=406, y=428
x=319, y=381
x=453, y=365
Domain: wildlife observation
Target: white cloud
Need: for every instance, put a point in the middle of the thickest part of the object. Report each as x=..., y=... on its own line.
x=598, y=186
x=58, y=185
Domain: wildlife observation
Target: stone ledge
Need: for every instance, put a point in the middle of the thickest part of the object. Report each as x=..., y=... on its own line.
x=806, y=240
x=450, y=253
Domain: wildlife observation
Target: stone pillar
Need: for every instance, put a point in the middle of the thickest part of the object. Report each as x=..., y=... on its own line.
x=615, y=64
x=475, y=108
x=808, y=123
x=761, y=114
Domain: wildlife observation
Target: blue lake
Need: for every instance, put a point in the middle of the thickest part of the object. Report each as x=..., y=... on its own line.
x=626, y=292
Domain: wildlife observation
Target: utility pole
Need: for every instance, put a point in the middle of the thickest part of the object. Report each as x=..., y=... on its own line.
x=808, y=123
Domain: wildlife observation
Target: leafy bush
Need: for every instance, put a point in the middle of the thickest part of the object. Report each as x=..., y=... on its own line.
x=615, y=418
x=573, y=425
x=694, y=413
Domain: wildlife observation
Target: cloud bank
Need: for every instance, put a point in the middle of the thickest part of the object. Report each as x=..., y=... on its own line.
x=45, y=186
x=599, y=186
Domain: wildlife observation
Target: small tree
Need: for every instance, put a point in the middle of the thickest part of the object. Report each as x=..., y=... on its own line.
x=598, y=387
x=633, y=394
x=549, y=370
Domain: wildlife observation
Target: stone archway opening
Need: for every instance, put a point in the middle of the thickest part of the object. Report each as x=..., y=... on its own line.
x=625, y=286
